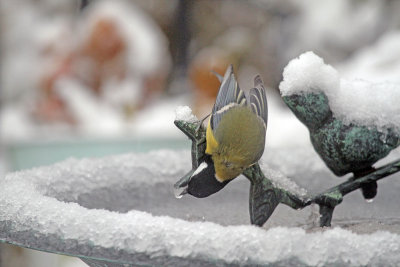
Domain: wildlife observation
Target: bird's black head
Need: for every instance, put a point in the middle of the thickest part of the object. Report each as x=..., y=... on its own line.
x=201, y=182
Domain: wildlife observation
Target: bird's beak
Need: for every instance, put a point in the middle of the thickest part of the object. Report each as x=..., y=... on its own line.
x=181, y=187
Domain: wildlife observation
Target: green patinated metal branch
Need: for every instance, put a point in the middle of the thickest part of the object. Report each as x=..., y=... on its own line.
x=197, y=134
x=265, y=197
x=332, y=197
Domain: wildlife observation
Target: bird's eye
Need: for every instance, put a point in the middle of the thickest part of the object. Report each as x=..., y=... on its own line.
x=228, y=164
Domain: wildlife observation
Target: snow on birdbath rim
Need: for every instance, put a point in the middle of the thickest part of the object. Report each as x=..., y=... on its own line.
x=29, y=202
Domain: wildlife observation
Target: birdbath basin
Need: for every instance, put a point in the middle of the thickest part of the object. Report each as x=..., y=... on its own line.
x=121, y=211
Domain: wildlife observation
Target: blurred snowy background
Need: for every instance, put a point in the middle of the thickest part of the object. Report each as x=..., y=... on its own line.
x=93, y=78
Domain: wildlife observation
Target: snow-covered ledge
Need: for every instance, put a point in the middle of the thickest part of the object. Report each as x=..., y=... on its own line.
x=86, y=208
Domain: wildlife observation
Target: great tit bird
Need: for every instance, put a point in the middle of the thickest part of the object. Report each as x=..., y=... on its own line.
x=235, y=136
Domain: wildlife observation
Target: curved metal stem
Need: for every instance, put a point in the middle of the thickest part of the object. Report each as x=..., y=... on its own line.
x=334, y=196
x=265, y=197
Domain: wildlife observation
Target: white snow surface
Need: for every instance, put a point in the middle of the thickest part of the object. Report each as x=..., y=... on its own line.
x=352, y=101
x=184, y=113
x=29, y=200
x=379, y=62
x=308, y=73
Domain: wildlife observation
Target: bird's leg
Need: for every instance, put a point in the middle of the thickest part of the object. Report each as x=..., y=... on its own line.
x=369, y=190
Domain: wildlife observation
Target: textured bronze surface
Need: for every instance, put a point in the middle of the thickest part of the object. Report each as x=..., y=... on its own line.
x=264, y=196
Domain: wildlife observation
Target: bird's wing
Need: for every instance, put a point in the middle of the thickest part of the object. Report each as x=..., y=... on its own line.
x=229, y=95
x=219, y=76
x=258, y=99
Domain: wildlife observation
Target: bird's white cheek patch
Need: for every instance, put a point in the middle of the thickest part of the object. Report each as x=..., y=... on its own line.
x=201, y=167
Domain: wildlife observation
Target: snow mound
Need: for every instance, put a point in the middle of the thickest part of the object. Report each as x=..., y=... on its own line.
x=308, y=73
x=352, y=101
x=184, y=113
x=34, y=212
